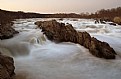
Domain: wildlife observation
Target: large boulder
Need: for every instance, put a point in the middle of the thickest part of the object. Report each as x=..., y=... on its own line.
x=6, y=67
x=59, y=32
x=6, y=31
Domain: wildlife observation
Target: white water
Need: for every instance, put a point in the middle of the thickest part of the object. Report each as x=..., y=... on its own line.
x=38, y=58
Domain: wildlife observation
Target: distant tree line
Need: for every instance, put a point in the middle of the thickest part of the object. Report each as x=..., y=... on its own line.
x=105, y=14
x=6, y=16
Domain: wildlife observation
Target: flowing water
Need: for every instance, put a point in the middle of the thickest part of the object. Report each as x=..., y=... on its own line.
x=38, y=58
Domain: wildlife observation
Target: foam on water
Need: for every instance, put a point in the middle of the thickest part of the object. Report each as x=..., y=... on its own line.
x=38, y=58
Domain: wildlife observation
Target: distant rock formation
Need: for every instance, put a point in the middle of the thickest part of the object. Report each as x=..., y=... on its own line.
x=6, y=67
x=59, y=32
x=97, y=21
x=6, y=31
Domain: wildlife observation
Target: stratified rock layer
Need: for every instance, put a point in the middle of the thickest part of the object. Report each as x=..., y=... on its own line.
x=59, y=32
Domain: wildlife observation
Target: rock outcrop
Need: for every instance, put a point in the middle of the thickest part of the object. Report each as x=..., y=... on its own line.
x=6, y=31
x=6, y=67
x=6, y=63
x=59, y=32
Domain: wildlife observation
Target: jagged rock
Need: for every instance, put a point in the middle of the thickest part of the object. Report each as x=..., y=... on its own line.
x=59, y=32
x=6, y=67
x=85, y=39
x=6, y=31
x=101, y=49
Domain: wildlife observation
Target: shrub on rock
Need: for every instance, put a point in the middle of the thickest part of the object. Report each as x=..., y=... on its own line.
x=117, y=20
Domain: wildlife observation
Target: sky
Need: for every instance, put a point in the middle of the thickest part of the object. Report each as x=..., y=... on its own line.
x=58, y=6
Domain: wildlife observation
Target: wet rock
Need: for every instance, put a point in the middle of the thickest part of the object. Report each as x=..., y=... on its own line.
x=6, y=67
x=61, y=19
x=111, y=23
x=59, y=32
x=6, y=31
x=101, y=49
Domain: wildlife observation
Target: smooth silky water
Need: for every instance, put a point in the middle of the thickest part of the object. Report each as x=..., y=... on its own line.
x=38, y=58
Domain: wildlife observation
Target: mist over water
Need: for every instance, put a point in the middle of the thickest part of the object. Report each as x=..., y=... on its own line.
x=38, y=58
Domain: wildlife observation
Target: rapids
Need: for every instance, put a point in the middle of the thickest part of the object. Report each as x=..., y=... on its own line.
x=38, y=58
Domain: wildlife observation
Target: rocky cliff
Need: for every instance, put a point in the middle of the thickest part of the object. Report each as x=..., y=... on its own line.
x=59, y=32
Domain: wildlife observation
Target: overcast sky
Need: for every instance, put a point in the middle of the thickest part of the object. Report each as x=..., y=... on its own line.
x=58, y=6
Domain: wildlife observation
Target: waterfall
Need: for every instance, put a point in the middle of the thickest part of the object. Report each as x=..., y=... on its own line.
x=23, y=43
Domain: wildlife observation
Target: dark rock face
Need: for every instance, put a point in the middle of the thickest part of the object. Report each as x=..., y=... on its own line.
x=101, y=49
x=6, y=31
x=59, y=32
x=6, y=67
